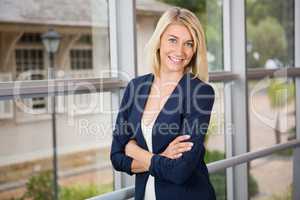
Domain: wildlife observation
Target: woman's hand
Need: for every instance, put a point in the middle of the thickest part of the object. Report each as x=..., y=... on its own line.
x=130, y=147
x=141, y=158
x=177, y=147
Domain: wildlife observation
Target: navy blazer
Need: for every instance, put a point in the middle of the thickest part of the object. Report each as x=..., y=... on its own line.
x=186, y=111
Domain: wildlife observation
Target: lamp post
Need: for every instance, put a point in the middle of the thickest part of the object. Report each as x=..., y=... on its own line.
x=51, y=41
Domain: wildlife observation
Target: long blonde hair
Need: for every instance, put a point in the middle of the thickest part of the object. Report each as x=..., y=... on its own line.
x=198, y=65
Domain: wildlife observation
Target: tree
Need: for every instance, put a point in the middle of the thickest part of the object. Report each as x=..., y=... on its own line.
x=280, y=94
x=283, y=12
x=267, y=39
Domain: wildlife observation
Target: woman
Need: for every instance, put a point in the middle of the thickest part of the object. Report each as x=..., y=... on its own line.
x=164, y=115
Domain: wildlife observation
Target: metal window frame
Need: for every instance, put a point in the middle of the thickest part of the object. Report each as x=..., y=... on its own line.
x=296, y=161
x=234, y=40
x=43, y=88
x=122, y=29
x=228, y=139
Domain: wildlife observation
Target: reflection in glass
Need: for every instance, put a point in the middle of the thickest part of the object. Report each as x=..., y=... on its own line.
x=83, y=142
x=272, y=112
x=271, y=121
x=84, y=45
x=214, y=141
x=273, y=175
x=25, y=124
x=270, y=33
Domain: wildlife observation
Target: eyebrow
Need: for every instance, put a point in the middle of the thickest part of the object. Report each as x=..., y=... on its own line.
x=177, y=37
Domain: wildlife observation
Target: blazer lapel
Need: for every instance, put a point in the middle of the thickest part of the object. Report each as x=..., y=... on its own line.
x=142, y=94
x=170, y=114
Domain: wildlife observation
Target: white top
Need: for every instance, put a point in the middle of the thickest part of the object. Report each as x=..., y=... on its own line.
x=147, y=133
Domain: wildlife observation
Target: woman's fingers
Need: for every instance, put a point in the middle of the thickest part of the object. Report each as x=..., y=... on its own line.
x=184, y=144
x=180, y=139
x=181, y=148
x=177, y=147
x=177, y=156
x=184, y=149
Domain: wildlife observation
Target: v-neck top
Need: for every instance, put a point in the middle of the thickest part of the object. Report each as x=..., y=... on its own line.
x=147, y=133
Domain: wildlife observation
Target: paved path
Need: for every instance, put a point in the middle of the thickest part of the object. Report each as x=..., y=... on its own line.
x=273, y=173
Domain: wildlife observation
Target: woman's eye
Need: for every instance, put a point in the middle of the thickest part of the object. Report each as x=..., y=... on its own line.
x=189, y=44
x=172, y=40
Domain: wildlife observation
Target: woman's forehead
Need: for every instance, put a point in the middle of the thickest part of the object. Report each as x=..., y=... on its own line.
x=178, y=30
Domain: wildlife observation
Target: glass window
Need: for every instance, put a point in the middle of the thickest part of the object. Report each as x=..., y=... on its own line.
x=83, y=121
x=271, y=122
x=266, y=182
x=81, y=59
x=215, y=143
x=83, y=27
x=270, y=45
x=210, y=16
x=270, y=33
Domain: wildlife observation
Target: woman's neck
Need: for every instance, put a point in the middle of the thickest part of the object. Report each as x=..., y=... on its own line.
x=167, y=77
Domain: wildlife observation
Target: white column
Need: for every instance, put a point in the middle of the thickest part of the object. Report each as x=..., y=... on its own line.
x=123, y=58
x=296, y=162
x=236, y=127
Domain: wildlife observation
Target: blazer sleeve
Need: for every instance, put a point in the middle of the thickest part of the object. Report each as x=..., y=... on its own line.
x=195, y=123
x=122, y=134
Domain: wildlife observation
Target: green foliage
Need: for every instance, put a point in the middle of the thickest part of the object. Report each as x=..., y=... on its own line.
x=292, y=133
x=268, y=39
x=280, y=93
x=288, y=195
x=80, y=192
x=212, y=156
x=253, y=186
x=218, y=179
x=286, y=153
x=281, y=14
x=259, y=10
x=39, y=187
x=212, y=129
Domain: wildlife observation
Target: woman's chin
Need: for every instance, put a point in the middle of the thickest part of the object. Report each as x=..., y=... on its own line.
x=174, y=68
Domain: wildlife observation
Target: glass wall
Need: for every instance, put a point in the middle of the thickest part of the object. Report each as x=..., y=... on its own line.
x=84, y=139
x=270, y=33
x=83, y=121
x=270, y=45
x=215, y=141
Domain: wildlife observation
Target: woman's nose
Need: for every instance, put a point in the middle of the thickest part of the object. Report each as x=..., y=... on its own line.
x=179, y=49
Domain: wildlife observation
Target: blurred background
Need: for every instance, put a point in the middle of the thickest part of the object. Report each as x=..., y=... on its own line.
x=88, y=56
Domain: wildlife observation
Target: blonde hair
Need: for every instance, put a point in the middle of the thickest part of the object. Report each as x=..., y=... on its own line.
x=198, y=65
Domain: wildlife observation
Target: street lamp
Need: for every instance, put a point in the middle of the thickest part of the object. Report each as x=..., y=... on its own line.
x=51, y=41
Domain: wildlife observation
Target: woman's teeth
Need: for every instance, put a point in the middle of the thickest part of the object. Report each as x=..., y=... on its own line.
x=175, y=60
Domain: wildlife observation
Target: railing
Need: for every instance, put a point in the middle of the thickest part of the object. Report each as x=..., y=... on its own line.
x=38, y=88
x=128, y=192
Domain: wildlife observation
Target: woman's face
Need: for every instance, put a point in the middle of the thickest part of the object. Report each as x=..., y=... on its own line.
x=176, y=48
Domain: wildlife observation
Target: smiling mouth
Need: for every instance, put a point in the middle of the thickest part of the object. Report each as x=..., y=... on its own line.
x=176, y=60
